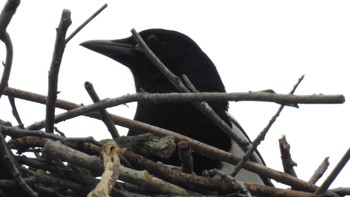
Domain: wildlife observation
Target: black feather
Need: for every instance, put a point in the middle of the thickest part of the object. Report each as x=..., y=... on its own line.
x=182, y=56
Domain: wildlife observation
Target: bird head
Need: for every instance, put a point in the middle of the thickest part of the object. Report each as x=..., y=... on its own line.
x=177, y=51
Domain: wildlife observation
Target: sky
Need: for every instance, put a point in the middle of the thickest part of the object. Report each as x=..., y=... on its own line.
x=255, y=45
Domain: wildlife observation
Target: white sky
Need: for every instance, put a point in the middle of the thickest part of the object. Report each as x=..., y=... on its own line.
x=255, y=45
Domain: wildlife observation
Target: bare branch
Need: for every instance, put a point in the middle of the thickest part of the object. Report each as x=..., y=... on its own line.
x=320, y=171
x=54, y=69
x=110, y=102
x=106, y=118
x=287, y=161
x=262, y=134
x=85, y=23
x=8, y=160
x=323, y=188
x=6, y=14
x=15, y=111
x=5, y=18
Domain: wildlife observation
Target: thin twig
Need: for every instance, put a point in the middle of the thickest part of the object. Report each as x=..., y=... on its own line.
x=325, y=185
x=85, y=23
x=18, y=132
x=15, y=111
x=8, y=63
x=106, y=118
x=13, y=166
x=54, y=69
x=262, y=134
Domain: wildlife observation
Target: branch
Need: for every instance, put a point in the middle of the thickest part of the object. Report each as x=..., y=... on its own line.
x=111, y=102
x=6, y=14
x=287, y=161
x=85, y=23
x=319, y=171
x=18, y=132
x=56, y=150
x=11, y=164
x=5, y=18
x=323, y=188
x=15, y=111
x=262, y=134
x=54, y=69
x=106, y=118
x=8, y=63
x=202, y=96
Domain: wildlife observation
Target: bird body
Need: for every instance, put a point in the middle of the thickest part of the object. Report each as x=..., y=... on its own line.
x=182, y=56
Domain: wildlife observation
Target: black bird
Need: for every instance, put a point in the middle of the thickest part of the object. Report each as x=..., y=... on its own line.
x=182, y=56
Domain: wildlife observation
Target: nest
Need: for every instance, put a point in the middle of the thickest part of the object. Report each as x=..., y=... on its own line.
x=49, y=164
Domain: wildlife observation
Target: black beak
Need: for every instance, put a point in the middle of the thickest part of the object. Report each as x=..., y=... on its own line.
x=111, y=48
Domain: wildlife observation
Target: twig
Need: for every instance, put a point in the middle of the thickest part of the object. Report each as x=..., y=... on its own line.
x=325, y=185
x=18, y=132
x=106, y=118
x=319, y=171
x=262, y=134
x=56, y=150
x=110, y=102
x=56, y=181
x=13, y=166
x=85, y=23
x=15, y=111
x=287, y=161
x=8, y=62
x=5, y=18
x=185, y=97
x=60, y=45
x=69, y=172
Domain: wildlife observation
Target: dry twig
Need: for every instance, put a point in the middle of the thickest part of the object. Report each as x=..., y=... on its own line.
x=54, y=70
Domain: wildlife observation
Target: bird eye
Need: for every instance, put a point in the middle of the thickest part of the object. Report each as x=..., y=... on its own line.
x=152, y=40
